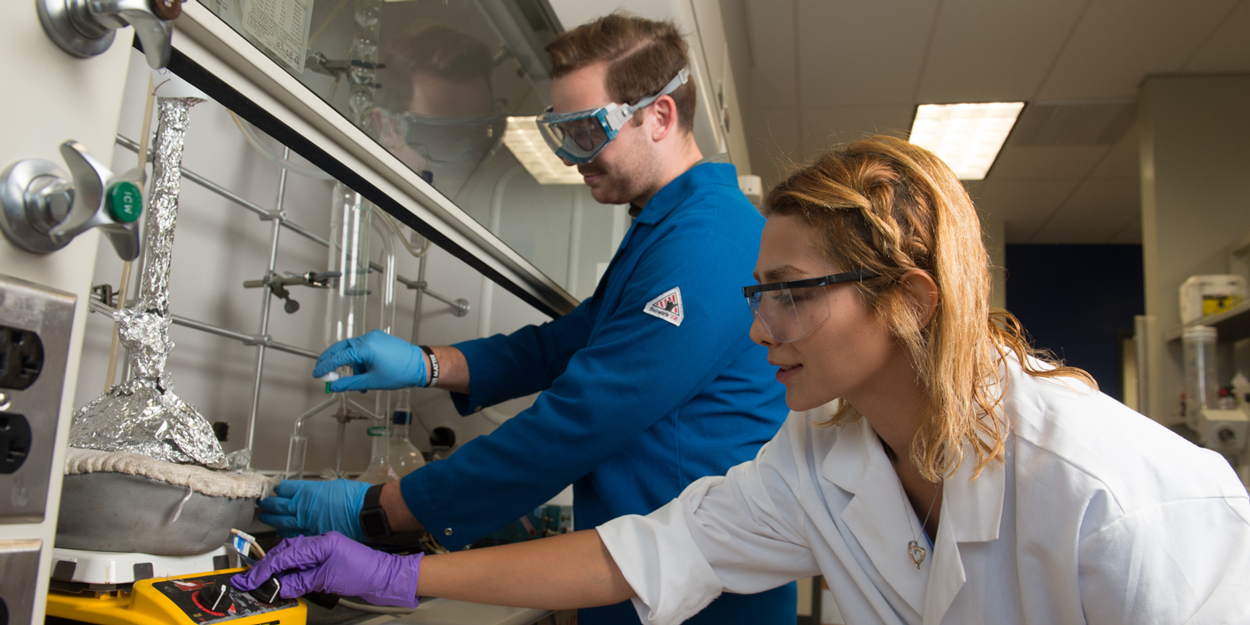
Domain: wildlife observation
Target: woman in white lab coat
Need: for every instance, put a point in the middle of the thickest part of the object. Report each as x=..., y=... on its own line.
x=954, y=476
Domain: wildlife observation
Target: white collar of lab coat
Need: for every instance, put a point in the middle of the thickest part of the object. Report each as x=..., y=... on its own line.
x=882, y=521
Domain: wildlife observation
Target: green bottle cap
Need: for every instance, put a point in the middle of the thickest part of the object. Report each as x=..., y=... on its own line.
x=125, y=202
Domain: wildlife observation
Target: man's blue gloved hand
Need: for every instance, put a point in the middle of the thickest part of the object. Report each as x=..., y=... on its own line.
x=381, y=361
x=300, y=507
x=334, y=563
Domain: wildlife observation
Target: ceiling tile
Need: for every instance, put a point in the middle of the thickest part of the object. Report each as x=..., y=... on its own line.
x=770, y=26
x=1119, y=42
x=1228, y=50
x=1097, y=211
x=1121, y=161
x=1023, y=205
x=1039, y=162
x=856, y=53
x=990, y=50
x=824, y=127
x=773, y=142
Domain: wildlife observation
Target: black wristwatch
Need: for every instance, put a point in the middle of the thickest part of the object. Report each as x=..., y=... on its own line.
x=373, y=521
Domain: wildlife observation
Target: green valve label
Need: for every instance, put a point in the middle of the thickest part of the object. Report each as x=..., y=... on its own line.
x=377, y=430
x=125, y=202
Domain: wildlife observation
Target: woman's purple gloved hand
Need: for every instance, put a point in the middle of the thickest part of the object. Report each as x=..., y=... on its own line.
x=336, y=564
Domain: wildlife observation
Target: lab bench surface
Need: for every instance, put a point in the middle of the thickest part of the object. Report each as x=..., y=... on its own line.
x=431, y=612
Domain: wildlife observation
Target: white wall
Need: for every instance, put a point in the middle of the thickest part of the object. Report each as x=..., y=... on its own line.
x=994, y=235
x=1195, y=177
x=703, y=25
x=62, y=98
x=219, y=245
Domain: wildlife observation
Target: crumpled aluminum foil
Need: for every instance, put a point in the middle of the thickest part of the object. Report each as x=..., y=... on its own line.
x=143, y=415
x=145, y=335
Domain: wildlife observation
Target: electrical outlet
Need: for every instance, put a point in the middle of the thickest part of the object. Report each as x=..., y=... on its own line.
x=36, y=324
x=14, y=441
x=21, y=358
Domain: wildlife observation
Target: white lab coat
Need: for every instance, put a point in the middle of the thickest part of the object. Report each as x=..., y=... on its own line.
x=1098, y=515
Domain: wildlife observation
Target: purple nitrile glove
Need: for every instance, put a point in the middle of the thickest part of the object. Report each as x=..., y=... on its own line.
x=336, y=564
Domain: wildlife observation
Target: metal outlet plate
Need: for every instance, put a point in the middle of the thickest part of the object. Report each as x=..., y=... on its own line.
x=49, y=314
x=19, y=566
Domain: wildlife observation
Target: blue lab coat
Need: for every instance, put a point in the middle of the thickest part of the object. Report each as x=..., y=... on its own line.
x=634, y=406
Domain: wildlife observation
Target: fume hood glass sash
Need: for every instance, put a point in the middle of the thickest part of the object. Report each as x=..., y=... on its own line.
x=260, y=87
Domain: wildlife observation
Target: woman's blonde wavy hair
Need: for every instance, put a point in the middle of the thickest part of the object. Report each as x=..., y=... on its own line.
x=889, y=206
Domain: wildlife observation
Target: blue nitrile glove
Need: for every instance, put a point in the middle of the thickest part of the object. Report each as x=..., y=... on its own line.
x=336, y=564
x=302, y=507
x=381, y=361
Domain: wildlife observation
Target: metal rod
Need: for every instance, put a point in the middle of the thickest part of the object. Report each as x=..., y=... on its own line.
x=266, y=301
x=416, y=310
x=226, y=193
x=416, y=334
x=212, y=329
x=338, y=449
x=300, y=230
x=263, y=213
x=461, y=306
x=246, y=339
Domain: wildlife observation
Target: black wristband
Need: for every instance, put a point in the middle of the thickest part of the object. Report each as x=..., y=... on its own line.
x=373, y=522
x=433, y=366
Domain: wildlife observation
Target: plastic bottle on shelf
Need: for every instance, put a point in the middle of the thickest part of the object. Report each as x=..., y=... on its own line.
x=1199, y=362
x=404, y=456
x=1226, y=401
x=380, y=470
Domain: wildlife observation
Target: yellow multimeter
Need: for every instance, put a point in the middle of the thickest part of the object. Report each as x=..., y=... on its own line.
x=200, y=599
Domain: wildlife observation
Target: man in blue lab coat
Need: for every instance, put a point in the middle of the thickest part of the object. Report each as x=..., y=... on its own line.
x=648, y=385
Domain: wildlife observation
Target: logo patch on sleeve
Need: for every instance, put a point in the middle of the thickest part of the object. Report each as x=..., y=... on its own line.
x=667, y=307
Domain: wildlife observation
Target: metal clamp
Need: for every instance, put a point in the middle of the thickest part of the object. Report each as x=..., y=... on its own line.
x=277, y=285
x=459, y=306
x=85, y=28
x=44, y=208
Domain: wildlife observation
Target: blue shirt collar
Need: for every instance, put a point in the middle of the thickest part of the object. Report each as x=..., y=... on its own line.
x=676, y=193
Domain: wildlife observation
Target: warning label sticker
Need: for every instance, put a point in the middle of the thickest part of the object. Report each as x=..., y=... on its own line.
x=667, y=307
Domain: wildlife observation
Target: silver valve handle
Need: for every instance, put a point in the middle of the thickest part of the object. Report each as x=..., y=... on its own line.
x=44, y=208
x=85, y=28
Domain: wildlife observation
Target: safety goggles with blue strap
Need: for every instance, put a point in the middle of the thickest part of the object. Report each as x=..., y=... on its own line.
x=580, y=136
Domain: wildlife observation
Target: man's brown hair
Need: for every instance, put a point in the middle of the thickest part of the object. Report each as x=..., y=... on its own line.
x=642, y=56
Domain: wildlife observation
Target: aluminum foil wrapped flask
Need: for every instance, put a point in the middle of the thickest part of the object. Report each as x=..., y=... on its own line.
x=143, y=415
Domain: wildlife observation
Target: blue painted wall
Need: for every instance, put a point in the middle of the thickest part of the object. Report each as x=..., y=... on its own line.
x=1075, y=300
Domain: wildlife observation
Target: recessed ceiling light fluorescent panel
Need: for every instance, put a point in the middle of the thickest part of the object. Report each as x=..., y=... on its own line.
x=527, y=145
x=966, y=136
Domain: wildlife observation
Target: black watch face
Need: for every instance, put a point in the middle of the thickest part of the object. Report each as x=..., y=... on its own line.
x=373, y=524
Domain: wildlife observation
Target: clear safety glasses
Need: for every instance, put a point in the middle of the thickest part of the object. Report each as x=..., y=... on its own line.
x=580, y=136
x=791, y=310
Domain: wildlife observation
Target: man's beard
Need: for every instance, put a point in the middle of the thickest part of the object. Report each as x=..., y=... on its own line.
x=620, y=186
